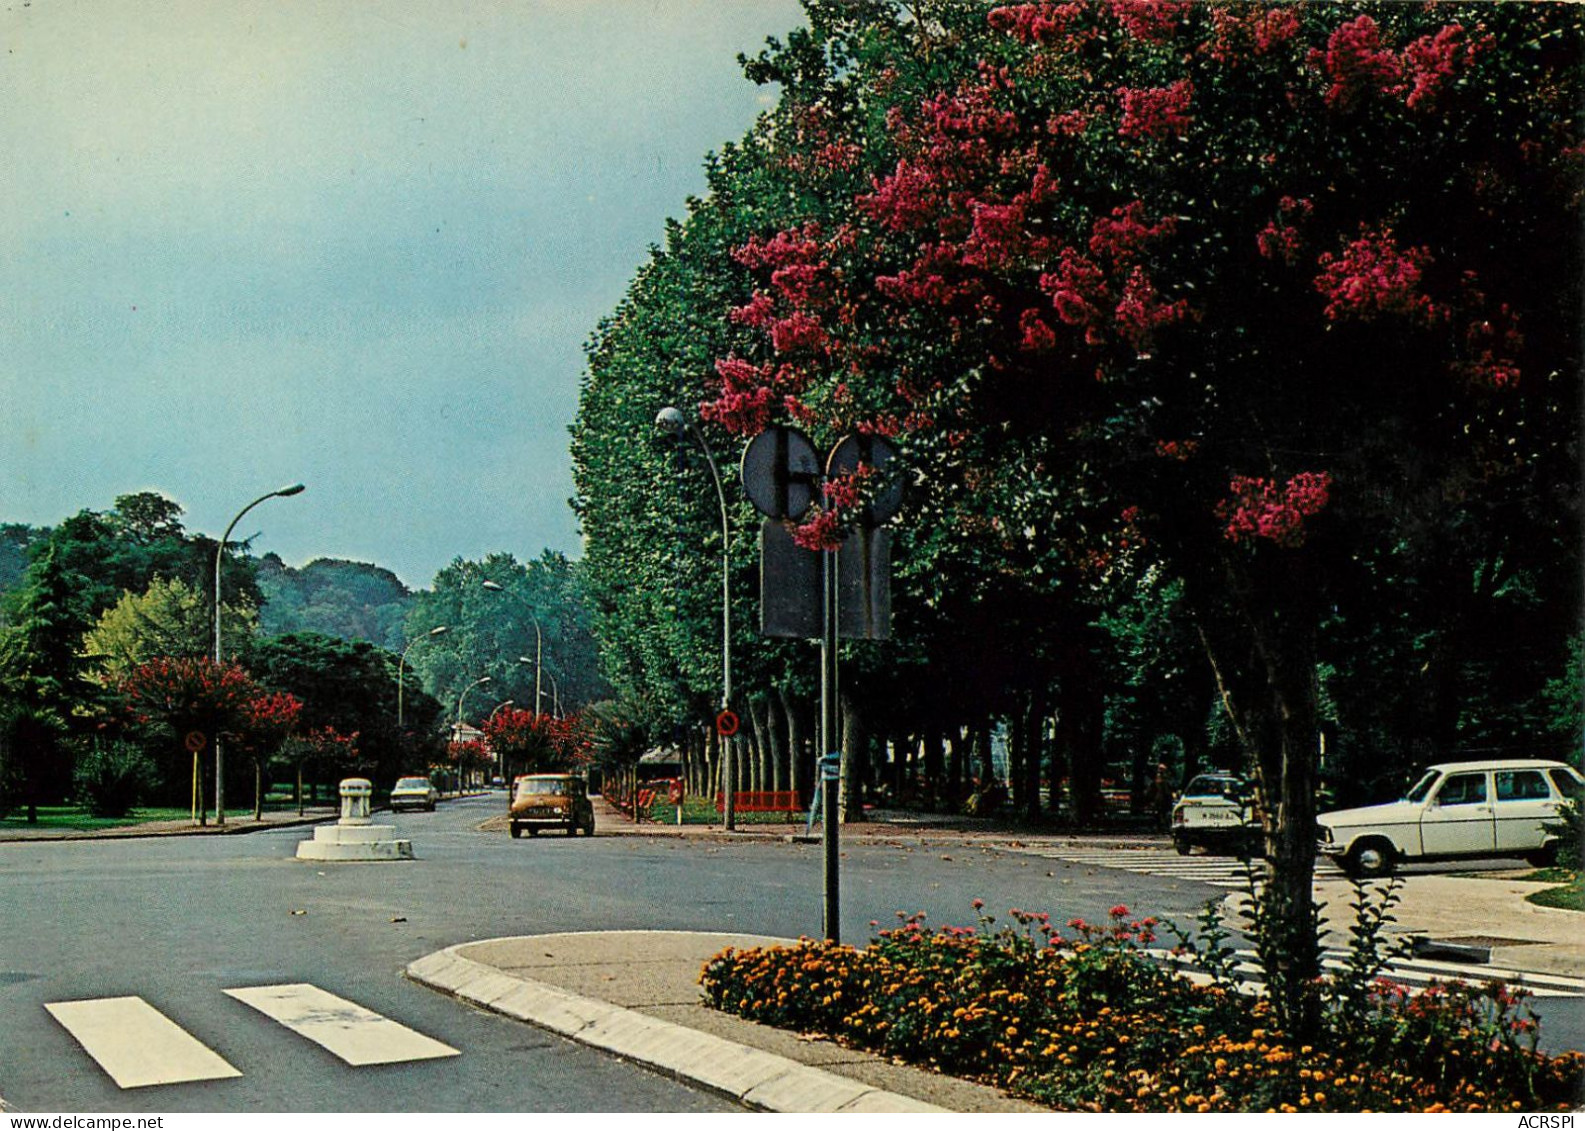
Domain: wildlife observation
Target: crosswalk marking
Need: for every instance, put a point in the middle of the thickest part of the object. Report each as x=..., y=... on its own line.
x=1413, y=973
x=1216, y=871
x=358, y=1036
x=136, y=1044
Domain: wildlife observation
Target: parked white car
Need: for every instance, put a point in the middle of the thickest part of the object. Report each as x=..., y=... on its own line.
x=1456, y=809
x=1216, y=812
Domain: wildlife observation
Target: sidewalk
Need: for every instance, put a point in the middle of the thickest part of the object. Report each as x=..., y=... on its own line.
x=635, y=994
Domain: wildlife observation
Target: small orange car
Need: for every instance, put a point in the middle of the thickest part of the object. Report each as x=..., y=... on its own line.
x=550, y=801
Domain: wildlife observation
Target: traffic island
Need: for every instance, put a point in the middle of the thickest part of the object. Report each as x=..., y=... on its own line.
x=355, y=836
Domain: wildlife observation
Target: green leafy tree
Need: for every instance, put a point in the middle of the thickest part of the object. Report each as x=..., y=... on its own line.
x=1282, y=299
x=169, y=618
x=40, y=672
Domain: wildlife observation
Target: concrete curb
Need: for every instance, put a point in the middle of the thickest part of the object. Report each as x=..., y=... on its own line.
x=758, y=1080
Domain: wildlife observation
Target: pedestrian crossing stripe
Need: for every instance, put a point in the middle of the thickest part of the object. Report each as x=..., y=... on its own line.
x=1223, y=872
x=1412, y=973
x=136, y=1044
x=347, y=1030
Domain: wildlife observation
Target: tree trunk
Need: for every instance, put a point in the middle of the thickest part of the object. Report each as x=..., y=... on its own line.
x=800, y=774
x=1271, y=699
x=932, y=784
x=855, y=761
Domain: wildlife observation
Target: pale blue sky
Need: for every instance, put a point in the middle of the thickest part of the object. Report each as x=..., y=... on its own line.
x=355, y=244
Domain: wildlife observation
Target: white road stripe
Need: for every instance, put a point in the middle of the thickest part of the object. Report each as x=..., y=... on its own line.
x=356, y=1035
x=136, y=1044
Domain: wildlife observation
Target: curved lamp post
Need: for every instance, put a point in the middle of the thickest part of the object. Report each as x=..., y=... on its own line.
x=672, y=421
x=220, y=553
x=457, y=731
x=539, y=640
x=401, y=663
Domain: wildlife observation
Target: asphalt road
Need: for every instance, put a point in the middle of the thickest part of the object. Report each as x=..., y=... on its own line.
x=178, y=920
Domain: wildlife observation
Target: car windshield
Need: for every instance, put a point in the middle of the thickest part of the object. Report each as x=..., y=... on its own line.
x=1422, y=787
x=413, y=783
x=553, y=786
x=1208, y=786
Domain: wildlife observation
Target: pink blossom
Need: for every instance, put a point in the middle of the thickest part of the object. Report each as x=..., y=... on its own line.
x=756, y=312
x=1432, y=61
x=1034, y=23
x=1156, y=113
x=1037, y=336
x=1258, y=508
x=1142, y=311
x=1077, y=289
x=1374, y=277
x=1281, y=239
x=1122, y=235
x=797, y=333
x=1154, y=21
x=1358, y=65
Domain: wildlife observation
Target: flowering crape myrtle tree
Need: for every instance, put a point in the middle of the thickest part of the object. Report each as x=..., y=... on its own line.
x=1252, y=292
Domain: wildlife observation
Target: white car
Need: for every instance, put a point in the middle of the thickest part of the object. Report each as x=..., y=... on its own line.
x=1216, y=813
x=413, y=793
x=1468, y=809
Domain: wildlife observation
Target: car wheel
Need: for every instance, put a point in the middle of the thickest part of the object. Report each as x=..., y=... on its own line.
x=516, y=832
x=1369, y=859
x=1182, y=844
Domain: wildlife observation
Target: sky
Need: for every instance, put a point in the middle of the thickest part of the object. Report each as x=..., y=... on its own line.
x=349, y=243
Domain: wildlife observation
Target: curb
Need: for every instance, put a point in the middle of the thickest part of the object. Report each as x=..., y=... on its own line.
x=134, y=832
x=760, y=1081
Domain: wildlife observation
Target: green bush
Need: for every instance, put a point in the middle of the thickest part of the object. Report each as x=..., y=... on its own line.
x=111, y=778
x=1570, y=833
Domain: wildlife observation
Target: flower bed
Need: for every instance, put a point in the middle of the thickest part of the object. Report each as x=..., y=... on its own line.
x=1091, y=1022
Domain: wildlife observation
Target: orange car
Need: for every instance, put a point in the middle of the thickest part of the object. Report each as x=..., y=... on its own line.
x=550, y=801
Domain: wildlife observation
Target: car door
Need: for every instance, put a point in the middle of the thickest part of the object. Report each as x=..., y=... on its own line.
x=1524, y=803
x=1458, y=820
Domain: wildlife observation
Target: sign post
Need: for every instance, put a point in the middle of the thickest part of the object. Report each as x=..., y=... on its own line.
x=839, y=593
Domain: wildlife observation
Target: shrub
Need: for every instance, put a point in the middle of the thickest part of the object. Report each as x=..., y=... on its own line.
x=111, y=778
x=1097, y=1022
x=1570, y=833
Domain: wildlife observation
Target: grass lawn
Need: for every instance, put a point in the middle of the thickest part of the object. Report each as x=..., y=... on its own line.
x=1569, y=895
x=72, y=818
x=702, y=811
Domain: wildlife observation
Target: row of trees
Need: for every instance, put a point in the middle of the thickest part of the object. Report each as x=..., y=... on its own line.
x=1233, y=356
x=106, y=662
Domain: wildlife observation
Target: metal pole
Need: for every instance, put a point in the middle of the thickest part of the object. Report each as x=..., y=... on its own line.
x=729, y=745
x=220, y=552
x=831, y=757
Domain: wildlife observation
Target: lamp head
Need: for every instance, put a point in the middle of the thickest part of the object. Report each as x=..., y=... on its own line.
x=671, y=420
x=294, y=489
x=492, y=586
x=440, y=630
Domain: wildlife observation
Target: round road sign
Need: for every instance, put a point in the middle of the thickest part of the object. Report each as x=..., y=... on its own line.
x=195, y=740
x=875, y=452
x=726, y=724
x=781, y=472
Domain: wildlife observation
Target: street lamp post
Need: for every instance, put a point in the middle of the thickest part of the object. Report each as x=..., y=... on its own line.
x=671, y=420
x=500, y=758
x=401, y=664
x=539, y=641
x=457, y=730
x=220, y=553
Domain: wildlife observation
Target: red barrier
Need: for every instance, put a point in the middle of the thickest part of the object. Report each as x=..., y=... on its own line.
x=761, y=801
